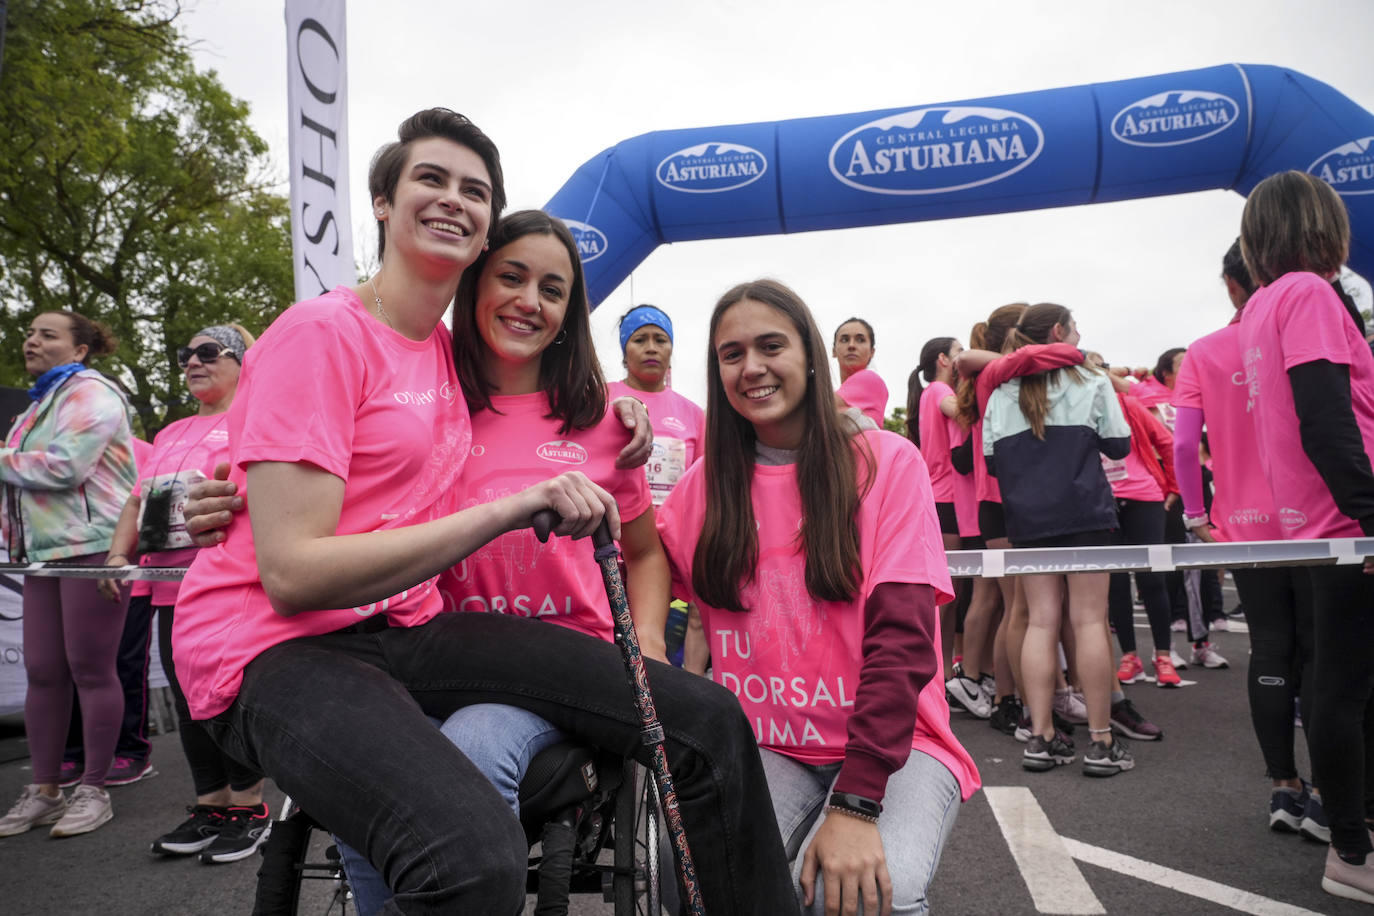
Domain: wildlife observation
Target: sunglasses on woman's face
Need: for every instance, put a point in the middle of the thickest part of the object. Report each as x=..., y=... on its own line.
x=206, y=353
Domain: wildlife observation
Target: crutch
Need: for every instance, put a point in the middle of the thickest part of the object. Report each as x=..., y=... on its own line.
x=651, y=732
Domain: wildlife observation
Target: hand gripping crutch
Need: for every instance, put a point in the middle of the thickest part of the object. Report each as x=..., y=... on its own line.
x=651, y=732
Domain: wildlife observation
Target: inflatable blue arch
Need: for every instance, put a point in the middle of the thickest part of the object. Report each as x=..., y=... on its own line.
x=1221, y=127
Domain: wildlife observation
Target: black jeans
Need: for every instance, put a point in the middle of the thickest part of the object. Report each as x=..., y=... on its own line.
x=1340, y=734
x=339, y=722
x=1278, y=610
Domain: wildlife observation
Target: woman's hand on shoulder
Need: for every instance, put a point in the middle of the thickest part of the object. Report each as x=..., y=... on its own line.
x=210, y=507
x=848, y=853
x=635, y=416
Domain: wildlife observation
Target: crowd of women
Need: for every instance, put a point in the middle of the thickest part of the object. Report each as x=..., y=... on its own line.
x=368, y=514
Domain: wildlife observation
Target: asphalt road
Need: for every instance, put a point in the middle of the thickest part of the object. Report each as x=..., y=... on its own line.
x=1195, y=806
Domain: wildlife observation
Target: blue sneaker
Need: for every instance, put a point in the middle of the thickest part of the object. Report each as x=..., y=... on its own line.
x=1286, y=808
x=1314, y=825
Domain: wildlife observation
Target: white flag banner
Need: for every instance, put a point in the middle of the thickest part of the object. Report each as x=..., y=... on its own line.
x=317, y=102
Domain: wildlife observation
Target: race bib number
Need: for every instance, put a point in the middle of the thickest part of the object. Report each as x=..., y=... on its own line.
x=161, y=519
x=666, y=466
x=1115, y=469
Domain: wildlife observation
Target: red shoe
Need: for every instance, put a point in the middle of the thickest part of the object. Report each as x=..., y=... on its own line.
x=1165, y=673
x=1131, y=670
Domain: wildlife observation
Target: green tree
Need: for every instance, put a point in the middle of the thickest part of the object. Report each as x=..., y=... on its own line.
x=896, y=421
x=132, y=189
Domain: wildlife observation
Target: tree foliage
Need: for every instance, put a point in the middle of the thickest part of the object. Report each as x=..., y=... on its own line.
x=896, y=421
x=132, y=189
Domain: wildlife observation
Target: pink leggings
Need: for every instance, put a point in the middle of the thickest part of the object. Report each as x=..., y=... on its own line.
x=71, y=634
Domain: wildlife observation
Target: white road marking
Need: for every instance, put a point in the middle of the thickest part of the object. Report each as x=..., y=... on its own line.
x=1054, y=881
x=1184, y=883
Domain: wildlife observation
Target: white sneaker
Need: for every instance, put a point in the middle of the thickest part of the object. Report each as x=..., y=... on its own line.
x=33, y=809
x=88, y=809
x=968, y=694
x=1069, y=704
x=1208, y=657
x=1177, y=659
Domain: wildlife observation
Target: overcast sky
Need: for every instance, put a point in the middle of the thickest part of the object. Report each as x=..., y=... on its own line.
x=555, y=83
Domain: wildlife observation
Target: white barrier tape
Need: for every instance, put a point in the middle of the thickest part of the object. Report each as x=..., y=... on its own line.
x=970, y=563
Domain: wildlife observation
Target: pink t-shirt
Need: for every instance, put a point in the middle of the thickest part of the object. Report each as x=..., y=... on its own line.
x=516, y=574
x=935, y=440
x=985, y=486
x=1157, y=396
x=1129, y=477
x=793, y=661
x=678, y=430
x=182, y=452
x=142, y=452
x=965, y=489
x=866, y=390
x=1212, y=380
x=330, y=386
x=1298, y=319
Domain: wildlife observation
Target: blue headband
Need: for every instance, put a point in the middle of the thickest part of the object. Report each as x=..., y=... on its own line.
x=638, y=317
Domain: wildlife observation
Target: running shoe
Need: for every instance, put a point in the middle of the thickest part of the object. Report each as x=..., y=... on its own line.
x=1165, y=673
x=1178, y=660
x=243, y=830
x=1314, y=826
x=33, y=809
x=1220, y=625
x=126, y=770
x=1006, y=716
x=1131, y=670
x=1023, y=726
x=88, y=809
x=988, y=684
x=1342, y=879
x=969, y=695
x=192, y=835
x=1101, y=760
x=1127, y=720
x=1179, y=626
x=1070, y=706
x=1207, y=656
x=1286, y=808
x=1043, y=754
x=69, y=774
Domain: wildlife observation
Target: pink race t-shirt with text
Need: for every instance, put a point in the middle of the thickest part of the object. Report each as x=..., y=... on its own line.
x=1298, y=319
x=329, y=386
x=793, y=661
x=1212, y=380
x=678, y=424
x=515, y=574
x=935, y=443
x=182, y=452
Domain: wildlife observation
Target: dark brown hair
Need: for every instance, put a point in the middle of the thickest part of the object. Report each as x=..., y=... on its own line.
x=385, y=171
x=928, y=366
x=95, y=336
x=827, y=474
x=1293, y=221
x=868, y=327
x=569, y=371
x=985, y=335
x=1036, y=326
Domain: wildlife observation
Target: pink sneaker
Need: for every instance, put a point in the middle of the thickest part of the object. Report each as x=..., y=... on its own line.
x=1353, y=882
x=1165, y=673
x=1131, y=670
x=126, y=770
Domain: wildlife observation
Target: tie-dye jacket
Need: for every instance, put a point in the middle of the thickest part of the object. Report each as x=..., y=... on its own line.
x=66, y=470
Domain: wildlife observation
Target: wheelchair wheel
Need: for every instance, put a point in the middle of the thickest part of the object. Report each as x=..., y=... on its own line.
x=300, y=872
x=638, y=882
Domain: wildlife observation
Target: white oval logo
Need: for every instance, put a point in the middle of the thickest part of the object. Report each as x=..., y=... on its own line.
x=1349, y=168
x=936, y=150
x=709, y=168
x=1175, y=117
x=562, y=451
x=591, y=241
x=1292, y=519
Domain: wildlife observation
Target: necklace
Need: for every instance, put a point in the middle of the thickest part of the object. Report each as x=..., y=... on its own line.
x=381, y=312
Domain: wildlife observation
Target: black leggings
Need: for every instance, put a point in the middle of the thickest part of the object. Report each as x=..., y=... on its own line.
x=211, y=768
x=1139, y=522
x=1342, y=723
x=1278, y=610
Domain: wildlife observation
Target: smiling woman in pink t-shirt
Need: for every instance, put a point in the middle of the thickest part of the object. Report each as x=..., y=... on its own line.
x=817, y=564
x=1310, y=378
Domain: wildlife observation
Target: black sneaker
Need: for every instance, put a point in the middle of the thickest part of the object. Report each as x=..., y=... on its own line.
x=1100, y=760
x=244, y=830
x=1007, y=715
x=1286, y=807
x=1041, y=754
x=199, y=831
x=1127, y=720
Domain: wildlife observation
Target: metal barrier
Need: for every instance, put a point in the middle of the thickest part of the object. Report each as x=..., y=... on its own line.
x=970, y=563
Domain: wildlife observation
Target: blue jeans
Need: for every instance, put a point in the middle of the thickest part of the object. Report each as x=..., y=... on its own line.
x=919, y=809
x=339, y=722
x=500, y=741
